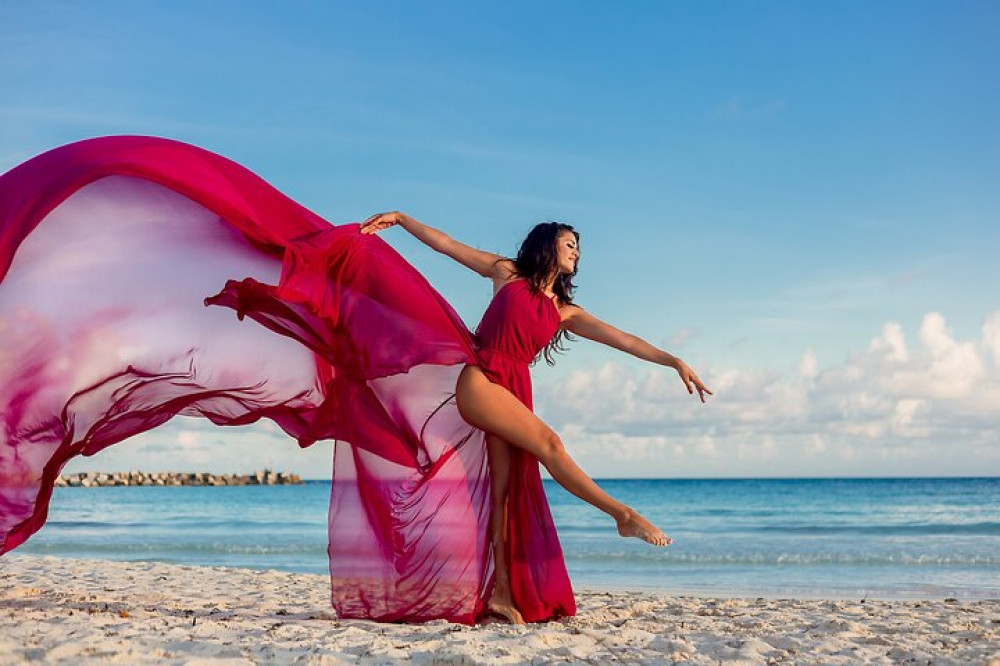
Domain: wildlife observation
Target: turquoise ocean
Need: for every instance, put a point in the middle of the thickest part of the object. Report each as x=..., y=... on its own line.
x=894, y=538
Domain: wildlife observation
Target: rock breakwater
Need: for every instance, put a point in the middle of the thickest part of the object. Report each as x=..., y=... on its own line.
x=264, y=477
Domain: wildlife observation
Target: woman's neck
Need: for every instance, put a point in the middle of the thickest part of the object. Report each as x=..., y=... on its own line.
x=548, y=286
x=549, y=283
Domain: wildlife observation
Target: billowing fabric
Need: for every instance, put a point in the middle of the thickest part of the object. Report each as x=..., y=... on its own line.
x=122, y=261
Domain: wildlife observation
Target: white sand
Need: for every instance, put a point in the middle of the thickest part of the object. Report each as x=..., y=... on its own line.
x=57, y=610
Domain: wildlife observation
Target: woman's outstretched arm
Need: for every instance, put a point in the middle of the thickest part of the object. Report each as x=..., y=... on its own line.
x=584, y=324
x=487, y=264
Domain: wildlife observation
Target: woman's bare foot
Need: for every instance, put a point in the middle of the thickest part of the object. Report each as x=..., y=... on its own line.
x=504, y=607
x=634, y=525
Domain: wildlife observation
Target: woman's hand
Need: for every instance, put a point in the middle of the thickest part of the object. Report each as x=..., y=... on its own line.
x=381, y=221
x=690, y=379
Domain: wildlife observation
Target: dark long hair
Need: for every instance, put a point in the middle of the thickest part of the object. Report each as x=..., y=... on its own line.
x=535, y=261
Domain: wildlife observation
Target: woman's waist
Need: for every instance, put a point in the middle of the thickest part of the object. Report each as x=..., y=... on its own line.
x=508, y=354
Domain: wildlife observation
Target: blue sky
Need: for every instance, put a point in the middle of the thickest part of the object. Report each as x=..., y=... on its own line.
x=779, y=193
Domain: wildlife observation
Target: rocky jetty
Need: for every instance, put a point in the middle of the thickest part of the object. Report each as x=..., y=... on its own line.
x=264, y=477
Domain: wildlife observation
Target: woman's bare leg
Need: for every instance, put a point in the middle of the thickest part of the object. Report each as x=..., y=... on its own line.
x=501, y=601
x=496, y=410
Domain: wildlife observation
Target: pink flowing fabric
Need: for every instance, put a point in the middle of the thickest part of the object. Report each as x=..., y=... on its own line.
x=110, y=251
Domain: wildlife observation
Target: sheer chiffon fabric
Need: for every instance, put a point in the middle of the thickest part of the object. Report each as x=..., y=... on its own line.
x=122, y=260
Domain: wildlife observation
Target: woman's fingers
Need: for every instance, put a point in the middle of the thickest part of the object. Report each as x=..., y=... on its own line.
x=378, y=222
x=702, y=389
x=692, y=381
x=371, y=220
x=368, y=226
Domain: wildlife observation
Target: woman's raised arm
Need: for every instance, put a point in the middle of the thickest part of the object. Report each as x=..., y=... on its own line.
x=486, y=264
x=586, y=325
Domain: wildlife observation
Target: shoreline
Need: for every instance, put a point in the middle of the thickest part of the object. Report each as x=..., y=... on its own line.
x=58, y=609
x=751, y=594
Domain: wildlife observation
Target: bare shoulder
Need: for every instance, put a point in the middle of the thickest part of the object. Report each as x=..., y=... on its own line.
x=569, y=312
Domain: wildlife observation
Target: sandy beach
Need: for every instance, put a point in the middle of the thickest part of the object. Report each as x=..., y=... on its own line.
x=60, y=610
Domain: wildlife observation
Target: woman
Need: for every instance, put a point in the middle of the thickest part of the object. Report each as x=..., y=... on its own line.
x=113, y=251
x=487, y=394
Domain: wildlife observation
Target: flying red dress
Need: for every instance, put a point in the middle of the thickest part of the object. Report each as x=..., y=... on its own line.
x=110, y=251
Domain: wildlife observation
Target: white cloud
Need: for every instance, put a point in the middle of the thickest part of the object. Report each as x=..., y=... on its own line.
x=706, y=447
x=932, y=407
x=991, y=336
x=947, y=369
x=765, y=448
x=893, y=342
x=187, y=444
x=807, y=365
x=187, y=439
x=677, y=340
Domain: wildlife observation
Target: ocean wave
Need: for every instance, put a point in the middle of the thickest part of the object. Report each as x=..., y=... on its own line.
x=617, y=558
x=781, y=558
x=984, y=528
x=987, y=528
x=174, y=521
x=71, y=547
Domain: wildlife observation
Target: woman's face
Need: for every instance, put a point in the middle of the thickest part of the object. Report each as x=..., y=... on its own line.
x=567, y=252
